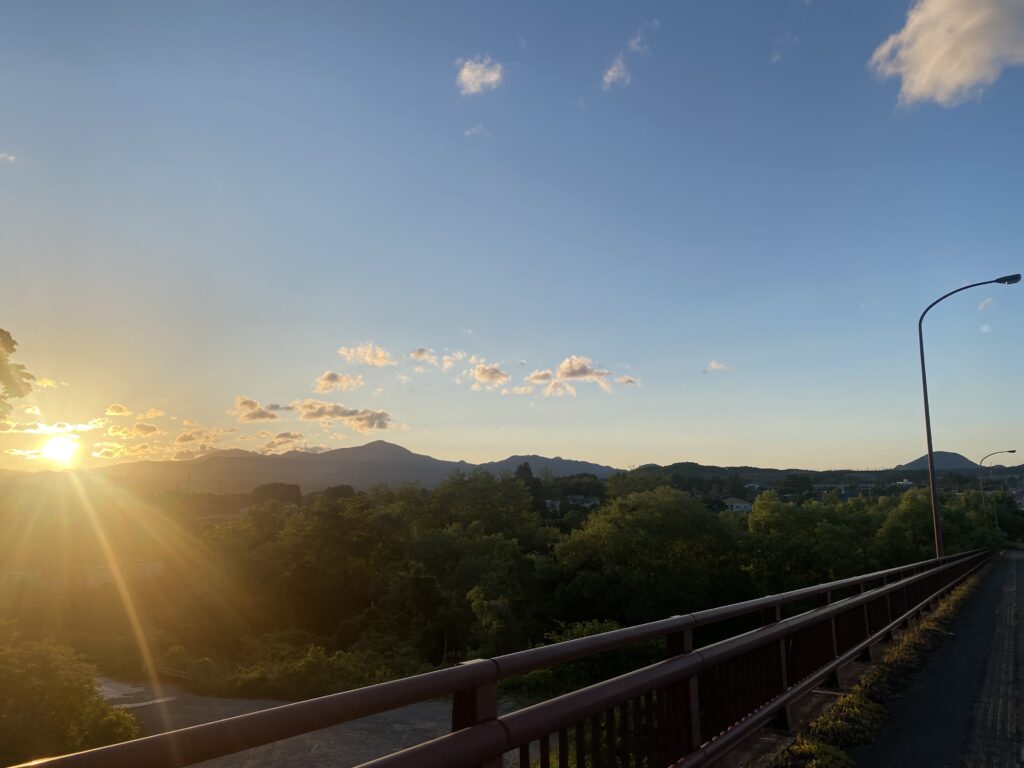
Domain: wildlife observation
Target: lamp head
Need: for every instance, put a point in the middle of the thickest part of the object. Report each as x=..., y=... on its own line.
x=1012, y=450
x=1008, y=279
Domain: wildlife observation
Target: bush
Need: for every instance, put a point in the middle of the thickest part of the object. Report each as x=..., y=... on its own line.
x=50, y=704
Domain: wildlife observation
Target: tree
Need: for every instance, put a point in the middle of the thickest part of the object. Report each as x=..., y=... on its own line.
x=15, y=380
x=288, y=493
x=50, y=704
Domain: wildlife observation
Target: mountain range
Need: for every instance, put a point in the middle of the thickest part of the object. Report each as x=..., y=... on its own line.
x=380, y=462
x=238, y=471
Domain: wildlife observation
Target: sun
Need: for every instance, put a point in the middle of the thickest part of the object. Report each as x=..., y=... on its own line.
x=60, y=450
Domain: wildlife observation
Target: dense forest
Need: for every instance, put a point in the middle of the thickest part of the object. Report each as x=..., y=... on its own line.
x=284, y=595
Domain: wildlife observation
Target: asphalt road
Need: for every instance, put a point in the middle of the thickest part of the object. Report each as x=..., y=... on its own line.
x=339, y=747
x=963, y=709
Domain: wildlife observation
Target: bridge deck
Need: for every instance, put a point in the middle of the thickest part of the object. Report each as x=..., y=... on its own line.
x=964, y=707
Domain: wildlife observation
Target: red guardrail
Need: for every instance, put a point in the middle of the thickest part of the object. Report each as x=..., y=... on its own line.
x=692, y=707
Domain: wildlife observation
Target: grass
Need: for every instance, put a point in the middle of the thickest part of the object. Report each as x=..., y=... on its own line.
x=856, y=717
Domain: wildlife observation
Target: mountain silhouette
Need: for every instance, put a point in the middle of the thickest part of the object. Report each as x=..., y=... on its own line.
x=944, y=461
x=379, y=462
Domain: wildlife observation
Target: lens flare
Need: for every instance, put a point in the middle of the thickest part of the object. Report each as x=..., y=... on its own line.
x=61, y=450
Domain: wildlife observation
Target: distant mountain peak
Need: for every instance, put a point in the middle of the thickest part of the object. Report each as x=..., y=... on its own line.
x=945, y=461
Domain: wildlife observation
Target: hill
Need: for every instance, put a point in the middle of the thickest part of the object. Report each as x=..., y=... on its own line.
x=944, y=461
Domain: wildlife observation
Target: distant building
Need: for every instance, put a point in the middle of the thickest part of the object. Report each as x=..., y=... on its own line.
x=734, y=504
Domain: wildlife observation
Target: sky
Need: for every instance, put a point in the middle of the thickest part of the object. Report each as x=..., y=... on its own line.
x=618, y=232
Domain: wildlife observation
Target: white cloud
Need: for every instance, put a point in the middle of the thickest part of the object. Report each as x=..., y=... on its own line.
x=475, y=132
x=986, y=328
x=478, y=74
x=142, y=429
x=329, y=381
x=116, y=409
x=559, y=389
x=44, y=383
x=540, y=377
x=57, y=428
x=950, y=50
x=986, y=304
x=367, y=354
x=617, y=73
x=627, y=379
x=33, y=410
x=717, y=366
x=424, y=355
x=7, y=157
x=525, y=389
x=448, y=361
x=108, y=450
x=248, y=410
x=364, y=420
x=579, y=368
x=490, y=375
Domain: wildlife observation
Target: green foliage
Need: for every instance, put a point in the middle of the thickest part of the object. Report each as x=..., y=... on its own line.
x=50, y=704
x=15, y=380
x=807, y=753
x=852, y=721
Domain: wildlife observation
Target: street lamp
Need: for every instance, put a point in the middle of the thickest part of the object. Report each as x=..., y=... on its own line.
x=981, y=477
x=936, y=515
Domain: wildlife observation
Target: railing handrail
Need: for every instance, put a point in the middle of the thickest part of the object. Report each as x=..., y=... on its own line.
x=482, y=742
x=208, y=740
x=521, y=662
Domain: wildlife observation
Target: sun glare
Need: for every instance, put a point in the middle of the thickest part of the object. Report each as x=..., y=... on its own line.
x=60, y=450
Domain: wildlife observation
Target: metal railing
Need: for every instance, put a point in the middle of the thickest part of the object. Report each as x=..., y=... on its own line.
x=688, y=709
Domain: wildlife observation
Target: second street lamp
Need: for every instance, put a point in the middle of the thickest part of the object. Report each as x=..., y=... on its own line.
x=936, y=513
x=981, y=477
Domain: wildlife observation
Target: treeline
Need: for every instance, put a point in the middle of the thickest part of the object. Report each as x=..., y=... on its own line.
x=308, y=595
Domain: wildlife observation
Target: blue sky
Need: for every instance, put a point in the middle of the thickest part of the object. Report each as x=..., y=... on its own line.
x=202, y=201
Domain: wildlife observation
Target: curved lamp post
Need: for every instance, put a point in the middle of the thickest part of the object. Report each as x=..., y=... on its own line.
x=981, y=477
x=936, y=515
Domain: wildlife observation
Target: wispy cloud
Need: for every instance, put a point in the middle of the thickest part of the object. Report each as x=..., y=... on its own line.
x=950, y=50
x=247, y=410
x=7, y=157
x=424, y=355
x=142, y=429
x=628, y=380
x=478, y=74
x=289, y=441
x=617, y=73
x=986, y=304
x=782, y=45
x=448, y=361
x=116, y=409
x=475, y=132
x=365, y=420
x=367, y=354
x=559, y=389
x=717, y=366
x=329, y=381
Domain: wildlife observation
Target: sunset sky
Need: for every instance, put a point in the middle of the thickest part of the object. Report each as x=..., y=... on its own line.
x=620, y=232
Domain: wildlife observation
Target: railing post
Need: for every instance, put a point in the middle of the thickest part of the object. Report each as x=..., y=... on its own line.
x=772, y=616
x=680, y=732
x=865, y=655
x=476, y=705
x=888, y=610
x=832, y=681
